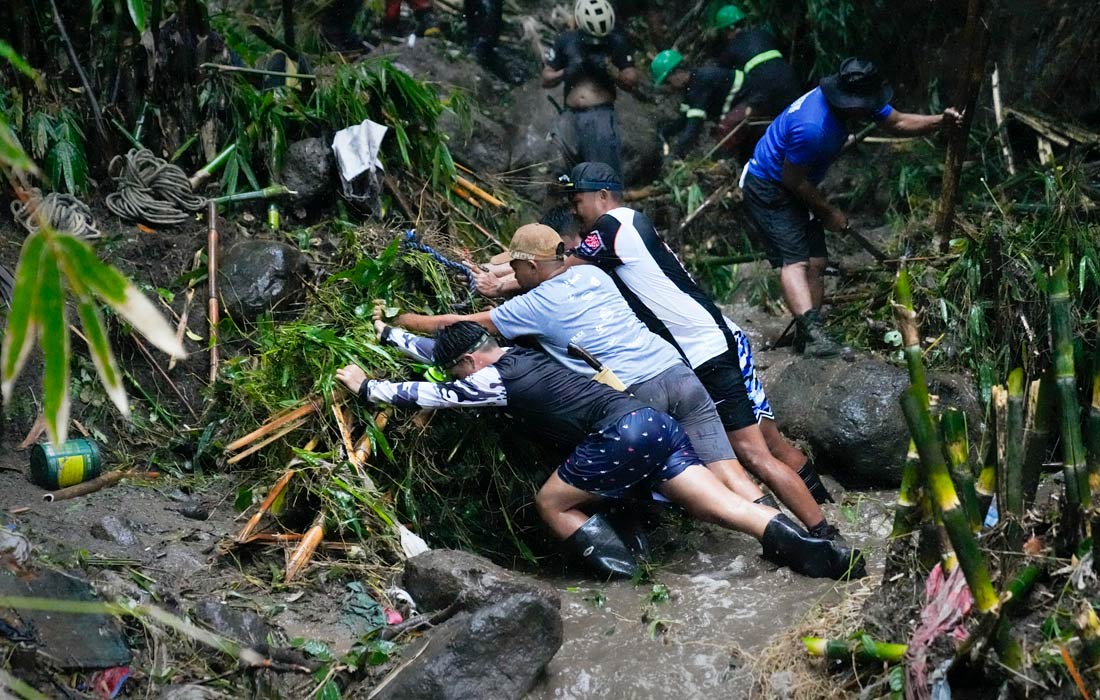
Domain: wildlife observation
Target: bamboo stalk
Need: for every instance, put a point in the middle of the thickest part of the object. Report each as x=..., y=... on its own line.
x=301, y=555
x=953, y=423
x=1092, y=434
x=1011, y=483
x=945, y=501
x=907, y=513
x=999, y=116
x=212, y=309
x=281, y=433
x=100, y=482
x=269, y=499
x=477, y=191
x=1007, y=646
x=864, y=648
x=1078, y=497
x=275, y=423
x=1037, y=433
x=203, y=174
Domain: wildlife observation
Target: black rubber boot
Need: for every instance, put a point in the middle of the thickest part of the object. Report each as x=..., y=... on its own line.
x=602, y=549
x=811, y=339
x=826, y=531
x=813, y=482
x=628, y=526
x=788, y=545
x=768, y=500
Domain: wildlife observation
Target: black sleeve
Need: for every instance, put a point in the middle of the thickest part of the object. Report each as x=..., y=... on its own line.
x=687, y=137
x=598, y=245
x=622, y=55
x=559, y=52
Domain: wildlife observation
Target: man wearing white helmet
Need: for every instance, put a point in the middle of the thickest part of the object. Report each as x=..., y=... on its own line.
x=591, y=60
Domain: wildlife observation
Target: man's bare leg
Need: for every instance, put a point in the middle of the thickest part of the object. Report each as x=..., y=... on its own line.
x=733, y=477
x=795, y=280
x=752, y=451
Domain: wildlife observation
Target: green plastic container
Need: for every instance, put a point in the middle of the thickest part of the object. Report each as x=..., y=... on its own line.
x=73, y=463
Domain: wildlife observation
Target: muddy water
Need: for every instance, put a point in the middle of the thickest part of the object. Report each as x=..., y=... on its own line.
x=626, y=642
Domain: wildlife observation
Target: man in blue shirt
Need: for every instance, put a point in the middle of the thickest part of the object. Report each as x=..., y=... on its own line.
x=781, y=182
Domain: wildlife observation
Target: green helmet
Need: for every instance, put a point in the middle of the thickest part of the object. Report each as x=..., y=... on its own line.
x=663, y=64
x=728, y=16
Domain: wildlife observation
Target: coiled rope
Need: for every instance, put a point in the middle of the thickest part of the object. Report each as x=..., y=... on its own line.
x=411, y=241
x=151, y=190
x=62, y=212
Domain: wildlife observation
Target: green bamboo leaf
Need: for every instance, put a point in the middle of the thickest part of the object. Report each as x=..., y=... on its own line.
x=23, y=319
x=79, y=261
x=17, y=62
x=55, y=348
x=102, y=356
x=137, y=14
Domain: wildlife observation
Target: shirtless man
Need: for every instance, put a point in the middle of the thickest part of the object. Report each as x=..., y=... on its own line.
x=591, y=60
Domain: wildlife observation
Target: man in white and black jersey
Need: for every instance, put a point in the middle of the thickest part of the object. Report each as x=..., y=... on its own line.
x=659, y=289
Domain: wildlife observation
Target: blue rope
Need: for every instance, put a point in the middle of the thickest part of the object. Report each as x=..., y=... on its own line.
x=411, y=241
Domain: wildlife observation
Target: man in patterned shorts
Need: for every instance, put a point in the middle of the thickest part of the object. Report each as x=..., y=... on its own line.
x=620, y=448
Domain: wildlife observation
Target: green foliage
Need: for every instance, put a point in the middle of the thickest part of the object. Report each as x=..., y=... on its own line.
x=59, y=138
x=264, y=121
x=50, y=263
x=136, y=9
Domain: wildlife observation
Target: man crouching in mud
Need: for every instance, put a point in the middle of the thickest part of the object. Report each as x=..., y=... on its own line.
x=620, y=448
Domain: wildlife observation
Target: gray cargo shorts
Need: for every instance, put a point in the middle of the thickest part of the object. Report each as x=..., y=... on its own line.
x=678, y=392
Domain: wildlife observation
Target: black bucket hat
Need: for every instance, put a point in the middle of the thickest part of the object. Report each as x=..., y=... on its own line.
x=857, y=85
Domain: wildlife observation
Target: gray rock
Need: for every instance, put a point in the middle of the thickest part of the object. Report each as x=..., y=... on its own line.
x=179, y=560
x=439, y=577
x=497, y=652
x=64, y=640
x=848, y=412
x=113, y=529
x=533, y=117
x=309, y=168
x=242, y=625
x=259, y=276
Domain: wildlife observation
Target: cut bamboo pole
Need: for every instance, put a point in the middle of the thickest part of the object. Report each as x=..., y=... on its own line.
x=957, y=443
x=863, y=648
x=274, y=424
x=282, y=432
x=265, y=505
x=1040, y=405
x=945, y=501
x=907, y=512
x=477, y=191
x=976, y=37
x=1092, y=435
x=999, y=115
x=1011, y=484
x=1007, y=646
x=302, y=554
x=212, y=309
x=1074, y=467
x=100, y=482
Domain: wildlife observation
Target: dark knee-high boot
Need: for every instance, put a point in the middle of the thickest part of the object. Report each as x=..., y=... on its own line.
x=602, y=549
x=786, y=544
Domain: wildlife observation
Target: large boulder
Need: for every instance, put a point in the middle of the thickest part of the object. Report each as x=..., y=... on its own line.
x=309, y=168
x=258, y=276
x=496, y=652
x=848, y=412
x=439, y=577
x=533, y=117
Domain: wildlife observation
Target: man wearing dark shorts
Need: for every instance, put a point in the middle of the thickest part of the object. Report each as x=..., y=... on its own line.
x=620, y=448
x=780, y=183
x=624, y=243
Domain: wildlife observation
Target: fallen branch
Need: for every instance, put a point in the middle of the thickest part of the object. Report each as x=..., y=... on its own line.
x=282, y=432
x=265, y=505
x=100, y=482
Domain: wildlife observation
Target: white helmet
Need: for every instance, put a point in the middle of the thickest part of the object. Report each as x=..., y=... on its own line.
x=595, y=17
